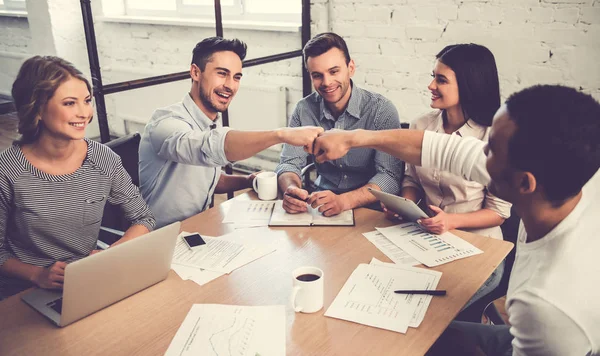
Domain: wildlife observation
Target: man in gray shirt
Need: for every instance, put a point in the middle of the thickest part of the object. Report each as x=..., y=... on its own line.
x=184, y=145
x=339, y=104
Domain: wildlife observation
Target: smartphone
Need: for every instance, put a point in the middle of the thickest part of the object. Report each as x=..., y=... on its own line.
x=194, y=241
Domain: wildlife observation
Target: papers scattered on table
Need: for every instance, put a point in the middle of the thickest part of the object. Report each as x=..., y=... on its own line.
x=368, y=296
x=388, y=248
x=311, y=218
x=429, y=249
x=251, y=213
x=217, y=257
x=198, y=275
x=219, y=330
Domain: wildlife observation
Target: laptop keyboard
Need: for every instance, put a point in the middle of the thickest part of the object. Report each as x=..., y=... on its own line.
x=56, y=305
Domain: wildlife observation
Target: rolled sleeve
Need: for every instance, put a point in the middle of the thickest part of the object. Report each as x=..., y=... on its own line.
x=390, y=170
x=175, y=140
x=461, y=156
x=497, y=205
x=293, y=158
x=125, y=194
x=5, y=208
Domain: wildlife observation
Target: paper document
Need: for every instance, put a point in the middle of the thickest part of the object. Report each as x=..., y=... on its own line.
x=251, y=213
x=429, y=249
x=388, y=248
x=311, y=218
x=230, y=330
x=422, y=301
x=368, y=296
x=219, y=254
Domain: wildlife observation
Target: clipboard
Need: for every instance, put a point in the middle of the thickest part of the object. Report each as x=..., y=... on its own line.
x=401, y=206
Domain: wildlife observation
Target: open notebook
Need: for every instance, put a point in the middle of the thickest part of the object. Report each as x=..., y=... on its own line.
x=311, y=218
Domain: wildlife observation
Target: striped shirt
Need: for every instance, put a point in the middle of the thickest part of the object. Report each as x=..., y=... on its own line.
x=46, y=218
x=365, y=110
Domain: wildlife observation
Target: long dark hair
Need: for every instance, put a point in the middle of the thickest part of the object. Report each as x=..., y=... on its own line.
x=477, y=78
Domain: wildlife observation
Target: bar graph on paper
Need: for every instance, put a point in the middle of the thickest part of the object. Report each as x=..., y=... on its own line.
x=429, y=249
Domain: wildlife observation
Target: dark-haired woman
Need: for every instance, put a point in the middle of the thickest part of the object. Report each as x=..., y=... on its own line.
x=466, y=94
x=54, y=182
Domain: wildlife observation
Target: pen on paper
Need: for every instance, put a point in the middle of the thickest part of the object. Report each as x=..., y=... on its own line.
x=427, y=292
x=295, y=197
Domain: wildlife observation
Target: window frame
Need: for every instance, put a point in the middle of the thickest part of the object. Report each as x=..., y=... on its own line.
x=235, y=12
x=14, y=5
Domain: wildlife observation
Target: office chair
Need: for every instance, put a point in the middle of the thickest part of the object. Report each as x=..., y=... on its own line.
x=113, y=222
x=485, y=305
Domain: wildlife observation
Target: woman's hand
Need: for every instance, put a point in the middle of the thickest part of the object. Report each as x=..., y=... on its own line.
x=438, y=224
x=51, y=277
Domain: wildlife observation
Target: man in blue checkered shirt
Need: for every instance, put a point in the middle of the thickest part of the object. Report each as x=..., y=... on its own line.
x=338, y=104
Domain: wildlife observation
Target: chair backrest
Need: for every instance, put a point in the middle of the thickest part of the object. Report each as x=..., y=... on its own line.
x=510, y=231
x=127, y=148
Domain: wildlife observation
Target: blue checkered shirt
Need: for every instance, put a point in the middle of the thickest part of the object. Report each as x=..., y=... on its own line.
x=365, y=110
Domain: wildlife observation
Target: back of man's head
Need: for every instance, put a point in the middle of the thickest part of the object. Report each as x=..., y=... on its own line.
x=322, y=43
x=557, y=138
x=204, y=50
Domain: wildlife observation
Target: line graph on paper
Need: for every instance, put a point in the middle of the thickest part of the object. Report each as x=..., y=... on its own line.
x=220, y=335
x=230, y=330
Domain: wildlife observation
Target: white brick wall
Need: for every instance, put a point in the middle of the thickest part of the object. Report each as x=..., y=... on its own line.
x=392, y=41
x=521, y=33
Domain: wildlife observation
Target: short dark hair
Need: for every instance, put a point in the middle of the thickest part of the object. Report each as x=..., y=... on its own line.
x=477, y=78
x=36, y=82
x=556, y=139
x=204, y=49
x=322, y=43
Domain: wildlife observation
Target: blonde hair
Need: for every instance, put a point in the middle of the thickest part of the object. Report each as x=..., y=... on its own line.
x=38, y=79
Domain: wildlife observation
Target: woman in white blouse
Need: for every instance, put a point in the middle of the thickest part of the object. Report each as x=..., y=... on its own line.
x=465, y=93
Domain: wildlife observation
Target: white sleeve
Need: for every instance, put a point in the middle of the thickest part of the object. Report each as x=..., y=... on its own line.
x=539, y=328
x=461, y=156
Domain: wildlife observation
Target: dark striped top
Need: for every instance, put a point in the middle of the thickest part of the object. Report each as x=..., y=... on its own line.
x=46, y=218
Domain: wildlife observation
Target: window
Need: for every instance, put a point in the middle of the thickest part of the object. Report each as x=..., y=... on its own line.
x=13, y=5
x=250, y=10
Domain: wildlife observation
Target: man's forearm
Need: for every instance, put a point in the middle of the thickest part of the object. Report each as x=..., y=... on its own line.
x=230, y=183
x=402, y=144
x=240, y=145
x=288, y=179
x=359, y=197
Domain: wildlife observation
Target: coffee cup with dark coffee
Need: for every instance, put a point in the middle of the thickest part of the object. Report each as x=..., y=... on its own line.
x=307, y=294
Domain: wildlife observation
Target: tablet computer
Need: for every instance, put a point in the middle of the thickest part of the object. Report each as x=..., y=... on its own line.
x=406, y=208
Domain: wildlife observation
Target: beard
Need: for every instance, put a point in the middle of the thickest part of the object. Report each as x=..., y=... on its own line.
x=208, y=103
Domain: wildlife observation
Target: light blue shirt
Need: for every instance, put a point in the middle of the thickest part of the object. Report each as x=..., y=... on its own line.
x=180, y=161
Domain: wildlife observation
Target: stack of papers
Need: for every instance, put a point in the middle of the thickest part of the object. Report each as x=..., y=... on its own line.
x=217, y=257
x=368, y=296
x=429, y=249
x=251, y=213
x=214, y=329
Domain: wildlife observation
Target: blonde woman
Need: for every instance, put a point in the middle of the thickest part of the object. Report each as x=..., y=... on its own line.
x=54, y=182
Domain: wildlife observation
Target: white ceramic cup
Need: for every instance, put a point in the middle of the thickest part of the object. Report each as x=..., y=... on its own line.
x=307, y=295
x=265, y=184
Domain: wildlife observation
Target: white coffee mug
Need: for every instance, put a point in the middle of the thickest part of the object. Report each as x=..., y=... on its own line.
x=307, y=294
x=265, y=184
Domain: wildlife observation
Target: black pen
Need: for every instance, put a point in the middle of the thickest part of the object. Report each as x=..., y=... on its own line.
x=428, y=292
x=295, y=197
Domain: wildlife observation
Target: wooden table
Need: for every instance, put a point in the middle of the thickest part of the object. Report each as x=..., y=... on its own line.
x=145, y=323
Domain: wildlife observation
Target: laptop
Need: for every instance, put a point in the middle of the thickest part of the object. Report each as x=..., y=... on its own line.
x=401, y=206
x=104, y=278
